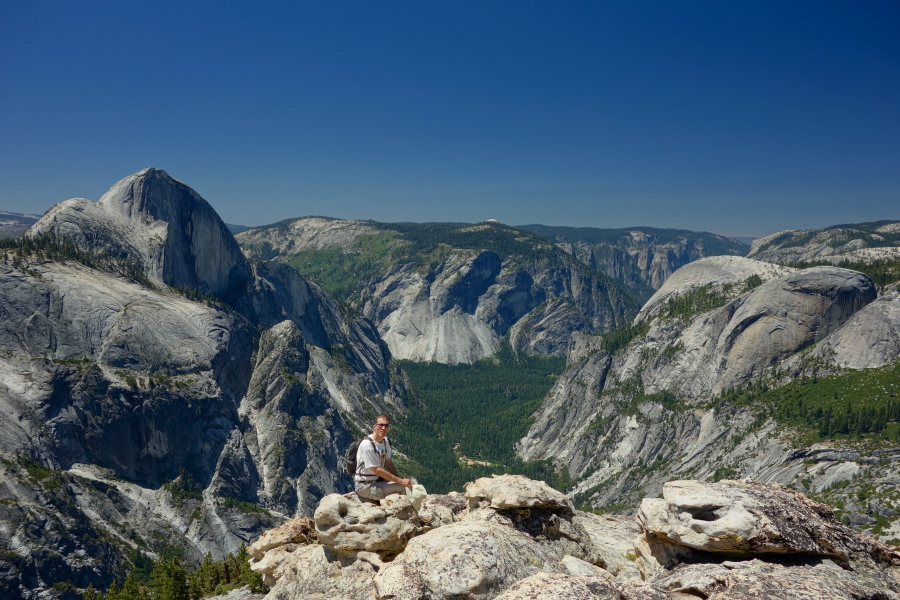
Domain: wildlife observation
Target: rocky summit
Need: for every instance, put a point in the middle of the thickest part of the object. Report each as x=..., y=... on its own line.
x=512, y=538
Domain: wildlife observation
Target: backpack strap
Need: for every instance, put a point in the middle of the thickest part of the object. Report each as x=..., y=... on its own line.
x=359, y=465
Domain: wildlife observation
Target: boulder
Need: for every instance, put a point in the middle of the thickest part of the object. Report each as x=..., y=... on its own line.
x=317, y=573
x=552, y=586
x=444, y=509
x=505, y=492
x=746, y=519
x=754, y=579
x=466, y=560
x=345, y=523
x=301, y=530
x=612, y=538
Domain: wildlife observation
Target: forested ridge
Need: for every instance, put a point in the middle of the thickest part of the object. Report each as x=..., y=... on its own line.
x=343, y=270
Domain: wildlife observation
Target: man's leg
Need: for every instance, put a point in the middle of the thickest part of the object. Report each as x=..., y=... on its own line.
x=376, y=490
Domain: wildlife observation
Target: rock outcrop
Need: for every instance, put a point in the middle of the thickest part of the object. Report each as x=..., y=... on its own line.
x=734, y=539
x=715, y=273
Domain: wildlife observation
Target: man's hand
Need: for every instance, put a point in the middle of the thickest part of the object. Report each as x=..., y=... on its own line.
x=405, y=483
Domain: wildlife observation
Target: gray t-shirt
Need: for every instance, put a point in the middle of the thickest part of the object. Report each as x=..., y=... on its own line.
x=371, y=454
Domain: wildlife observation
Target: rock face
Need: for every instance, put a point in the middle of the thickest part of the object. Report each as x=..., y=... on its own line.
x=733, y=539
x=871, y=338
x=621, y=425
x=139, y=418
x=710, y=273
x=641, y=259
x=457, y=307
x=161, y=225
x=459, y=312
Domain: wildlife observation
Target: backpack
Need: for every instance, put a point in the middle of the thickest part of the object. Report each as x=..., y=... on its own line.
x=353, y=449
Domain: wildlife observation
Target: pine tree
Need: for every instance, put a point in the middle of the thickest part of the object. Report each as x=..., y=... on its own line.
x=169, y=581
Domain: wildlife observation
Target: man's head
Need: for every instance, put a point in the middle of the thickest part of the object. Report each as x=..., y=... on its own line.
x=381, y=427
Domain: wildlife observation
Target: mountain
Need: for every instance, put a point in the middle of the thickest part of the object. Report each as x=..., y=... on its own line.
x=12, y=225
x=639, y=258
x=861, y=242
x=449, y=292
x=162, y=394
x=737, y=368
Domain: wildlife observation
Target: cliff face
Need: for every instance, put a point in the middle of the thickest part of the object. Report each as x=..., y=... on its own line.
x=622, y=424
x=139, y=418
x=452, y=294
x=458, y=312
x=161, y=225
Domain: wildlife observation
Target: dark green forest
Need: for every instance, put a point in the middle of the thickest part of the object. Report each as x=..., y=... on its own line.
x=883, y=271
x=849, y=405
x=475, y=412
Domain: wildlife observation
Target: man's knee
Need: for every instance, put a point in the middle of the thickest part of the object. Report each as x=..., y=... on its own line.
x=369, y=491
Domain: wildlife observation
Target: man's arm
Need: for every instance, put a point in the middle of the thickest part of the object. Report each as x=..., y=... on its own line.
x=392, y=469
x=385, y=474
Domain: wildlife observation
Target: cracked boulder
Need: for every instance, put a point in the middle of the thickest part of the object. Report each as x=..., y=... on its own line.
x=345, y=523
x=696, y=522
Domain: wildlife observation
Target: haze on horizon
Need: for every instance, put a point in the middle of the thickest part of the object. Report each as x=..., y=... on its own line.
x=739, y=119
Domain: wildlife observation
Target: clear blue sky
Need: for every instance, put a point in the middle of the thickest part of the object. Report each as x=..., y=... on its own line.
x=741, y=118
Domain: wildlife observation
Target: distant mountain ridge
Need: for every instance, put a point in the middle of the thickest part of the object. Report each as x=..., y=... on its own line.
x=640, y=258
x=830, y=244
x=13, y=225
x=449, y=292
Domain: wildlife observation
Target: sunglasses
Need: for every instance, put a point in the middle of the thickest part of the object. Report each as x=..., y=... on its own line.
x=382, y=424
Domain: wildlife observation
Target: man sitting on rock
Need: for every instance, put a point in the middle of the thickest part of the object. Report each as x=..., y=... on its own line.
x=376, y=476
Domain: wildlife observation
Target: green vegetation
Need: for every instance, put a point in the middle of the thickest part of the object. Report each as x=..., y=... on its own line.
x=853, y=404
x=244, y=507
x=52, y=248
x=183, y=488
x=475, y=412
x=883, y=271
x=620, y=337
x=699, y=300
x=168, y=579
x=339, y=272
